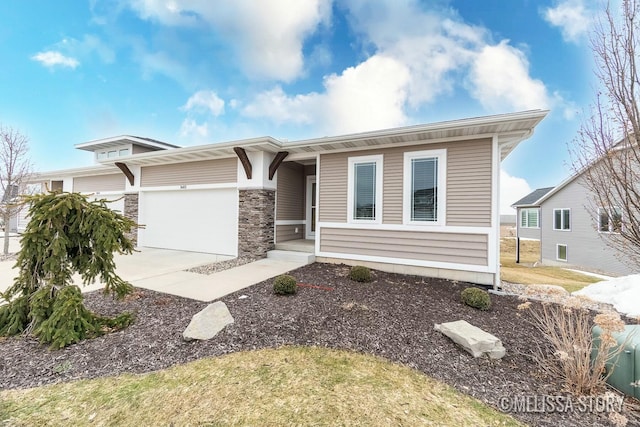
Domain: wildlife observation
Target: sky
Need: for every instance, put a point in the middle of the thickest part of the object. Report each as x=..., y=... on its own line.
x=190, y=72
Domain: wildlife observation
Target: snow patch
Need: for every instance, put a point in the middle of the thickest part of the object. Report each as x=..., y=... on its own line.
x=621, y=292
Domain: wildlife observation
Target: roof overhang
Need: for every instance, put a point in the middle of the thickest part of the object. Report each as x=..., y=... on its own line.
x=59, y=174
x=117, y=141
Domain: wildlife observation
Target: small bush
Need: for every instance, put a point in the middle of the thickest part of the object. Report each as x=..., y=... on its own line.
x=285, y=285
x=360, y=273
x=476, y=298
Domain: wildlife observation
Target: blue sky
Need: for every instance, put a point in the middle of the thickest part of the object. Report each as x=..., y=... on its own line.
x=195, y=71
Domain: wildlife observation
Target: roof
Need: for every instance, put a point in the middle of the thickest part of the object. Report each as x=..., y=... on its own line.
x=106, y=143
x=532, y=199
x=507, y=129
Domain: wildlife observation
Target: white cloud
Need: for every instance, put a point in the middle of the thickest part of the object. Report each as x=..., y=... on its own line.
x=572, y=17
x=205, y=101
x=53, y=59
x=512, y=189
x=499, y=79
x=266, y=35
x=369, y=96
x=190, y=128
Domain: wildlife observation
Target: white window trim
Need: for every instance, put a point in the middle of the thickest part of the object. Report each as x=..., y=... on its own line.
x=608, y=211
x=350, y=190
x=566, y=252
x=561, y=219
x=441, y=155
x=522, y=212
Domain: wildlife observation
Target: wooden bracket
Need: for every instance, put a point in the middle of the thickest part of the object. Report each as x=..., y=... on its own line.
x=126, y=171
x=275, y=164
x=246, y=164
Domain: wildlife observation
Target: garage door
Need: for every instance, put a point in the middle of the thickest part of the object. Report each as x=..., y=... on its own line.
x=190, y=220
x=114, y=201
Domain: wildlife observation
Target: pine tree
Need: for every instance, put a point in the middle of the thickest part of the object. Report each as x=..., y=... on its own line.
x=66, y=234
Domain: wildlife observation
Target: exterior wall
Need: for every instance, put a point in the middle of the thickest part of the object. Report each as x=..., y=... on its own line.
x=90, y=184
x=256, y=214
x=465, y=244
x=585, y=245
x=290, y=195
x=131, y=211
x=221, y=171
x=410, y=245
x=468, y=183
x=138, y=149
x=526, y=232
x=288, y=232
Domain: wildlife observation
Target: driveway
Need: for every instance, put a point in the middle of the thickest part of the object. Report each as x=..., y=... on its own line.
x=147, y=263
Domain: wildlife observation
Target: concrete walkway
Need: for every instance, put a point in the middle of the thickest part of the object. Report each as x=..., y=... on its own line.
x=163, y=271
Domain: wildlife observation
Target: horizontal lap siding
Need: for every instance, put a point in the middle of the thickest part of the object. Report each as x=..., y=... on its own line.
x=89, y=184
x=290, y=194
x=424, y=246
x=469, y=184
x=221, y=171
x=333, y=188
x=468, y=189
x=288, y=232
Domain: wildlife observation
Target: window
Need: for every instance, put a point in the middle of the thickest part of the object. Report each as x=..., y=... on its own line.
x=609, y=220
x=102, y=155
x=529, y=218
x=561, y=252
x=424, y=187
x=112, y=154
x=562, y=219
x=365, y=189
x=123, y=152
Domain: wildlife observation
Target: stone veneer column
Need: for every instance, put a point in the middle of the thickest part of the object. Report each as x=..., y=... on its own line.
x=131, y=212
x=256, y=214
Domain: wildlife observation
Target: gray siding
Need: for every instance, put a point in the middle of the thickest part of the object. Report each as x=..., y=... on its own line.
x=138, y=149
x=290, y=202
x=90, y=184
x=437, y=247
x=288, y=232
x=526, y=232
x=468, y=183
x=221, y=171
x=585, y=246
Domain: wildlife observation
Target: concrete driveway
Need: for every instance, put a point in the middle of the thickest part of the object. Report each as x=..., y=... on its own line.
x=162, y=270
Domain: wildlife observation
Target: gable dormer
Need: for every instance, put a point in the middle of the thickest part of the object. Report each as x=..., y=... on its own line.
x=119, y=147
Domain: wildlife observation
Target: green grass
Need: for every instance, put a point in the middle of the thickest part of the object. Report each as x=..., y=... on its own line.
x=287, y=386
x=527, y=274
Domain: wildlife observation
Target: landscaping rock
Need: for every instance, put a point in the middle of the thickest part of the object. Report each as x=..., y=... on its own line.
x=207, y=323
x=473, y=339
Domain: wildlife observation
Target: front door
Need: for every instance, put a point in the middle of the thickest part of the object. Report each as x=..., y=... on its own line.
x=310, y=229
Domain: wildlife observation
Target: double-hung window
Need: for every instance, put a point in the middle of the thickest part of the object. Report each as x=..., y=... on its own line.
x=529, y=218
x=365, y=189
x=609, y=220
x=562, y=219
x=424, y=187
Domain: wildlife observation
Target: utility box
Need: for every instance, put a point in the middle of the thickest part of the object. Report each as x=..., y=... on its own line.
x=627, y=364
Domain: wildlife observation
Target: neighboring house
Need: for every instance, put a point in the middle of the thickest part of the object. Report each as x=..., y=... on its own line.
x=419, y=200
x=571, y=233
x=528, y=214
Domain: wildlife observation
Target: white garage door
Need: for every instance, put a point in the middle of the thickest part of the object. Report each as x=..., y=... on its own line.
x=114, y=201
x=190, y=220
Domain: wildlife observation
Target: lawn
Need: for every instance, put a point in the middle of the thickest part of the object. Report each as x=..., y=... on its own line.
x=526, y=273
x=287, y=386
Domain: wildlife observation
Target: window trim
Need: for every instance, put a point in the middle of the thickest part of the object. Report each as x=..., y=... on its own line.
x=441, y=205
x=566, y=252
x=561, y=219
x=525, y=210
x=352, y=161
x=610, y=219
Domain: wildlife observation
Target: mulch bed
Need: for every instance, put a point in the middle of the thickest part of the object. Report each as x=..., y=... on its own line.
x=392, y=317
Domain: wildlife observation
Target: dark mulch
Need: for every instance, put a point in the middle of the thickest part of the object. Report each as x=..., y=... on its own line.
x=392, y=317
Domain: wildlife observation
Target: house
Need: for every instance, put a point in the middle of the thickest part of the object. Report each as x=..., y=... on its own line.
x=571, y=232
x=419, y=200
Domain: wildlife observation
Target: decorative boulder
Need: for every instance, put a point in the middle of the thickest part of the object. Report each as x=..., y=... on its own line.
x=473, y=339
x=207, y=323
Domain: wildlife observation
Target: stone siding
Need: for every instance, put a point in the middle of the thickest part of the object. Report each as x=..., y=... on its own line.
x=256, y=215
x=131, y=212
